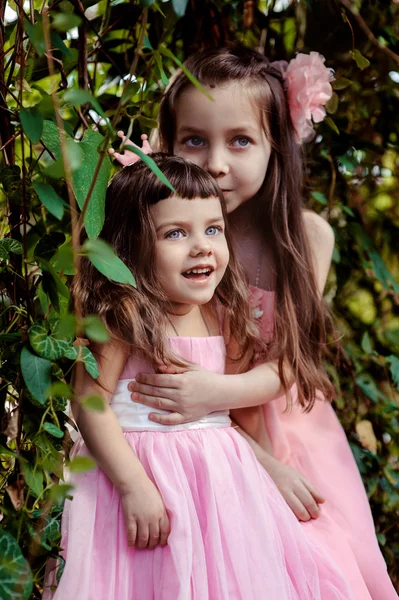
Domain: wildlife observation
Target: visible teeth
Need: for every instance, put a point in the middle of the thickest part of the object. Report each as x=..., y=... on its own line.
x=198, y=271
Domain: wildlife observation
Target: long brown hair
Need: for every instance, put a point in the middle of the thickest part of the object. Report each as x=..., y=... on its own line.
x=301, y=319
x=136, y=316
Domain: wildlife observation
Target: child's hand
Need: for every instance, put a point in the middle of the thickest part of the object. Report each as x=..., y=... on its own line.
x=147, y=522
x=128, y=157
x=300, y=495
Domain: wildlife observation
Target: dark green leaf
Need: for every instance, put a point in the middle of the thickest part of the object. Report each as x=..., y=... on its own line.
x=82, y=179
x=341, y=83
x=32, y=123
x=187, y=73
x=53, y=430
x=105, y=260
x=151, y=164
x=85, y=355
x=59, y=44
x=332, y=125
x=78, y=97
x=34, y=479
x=36, y=372
x=394, y=363
x=8, y=245
x=64, y=21
x=44, y=342
x=48, y=245
x=51, y=200
x=35, y=34
x=320, y=197
x=361, y=61
x=15, y=575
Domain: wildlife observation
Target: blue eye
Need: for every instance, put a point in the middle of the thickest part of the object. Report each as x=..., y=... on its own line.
x=241, y=142
x=213, y=230
x=194, y=141
x=174, y=235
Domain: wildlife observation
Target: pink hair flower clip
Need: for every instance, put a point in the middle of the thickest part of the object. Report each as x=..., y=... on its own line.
x=309, y=88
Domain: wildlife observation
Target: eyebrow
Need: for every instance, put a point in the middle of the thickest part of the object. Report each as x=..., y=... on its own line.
x=242, y=129
x=185, y=224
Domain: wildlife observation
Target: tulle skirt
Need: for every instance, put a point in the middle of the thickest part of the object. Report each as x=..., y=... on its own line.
x=232, y=535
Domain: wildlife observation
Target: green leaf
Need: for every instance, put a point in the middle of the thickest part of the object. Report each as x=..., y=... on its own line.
x=32, y=123
x=63, y=259
x=83, y=177
x=93, y=402
x=105, y=260
x=59, y=44
x=16, y=581
x=34, y=479
x=81, y=464
x=368, y=387
x=51, y=200
x=332, y=125
x=366, y=344
x=341, y=83
x=44, y=342
x=394, y=367
x=65, y=327
x=332, y=104
x=10, y=338
x=320, y=197
x=59, y=389
x=83, y=354
x=47, y=245
x=59, y=492
x=77, y=97
x=366, y=246
x=36, y=372
x=187, y=73
x=35, y=34
x=95, y=329
x=151, y=164
x=53, y=430
x=6, y=451
x=179, y=6
x=8, y=245
x=64, y=21
x=361, y=61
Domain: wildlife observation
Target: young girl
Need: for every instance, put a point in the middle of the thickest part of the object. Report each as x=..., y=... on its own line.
x=248, y=139
x=184, y=512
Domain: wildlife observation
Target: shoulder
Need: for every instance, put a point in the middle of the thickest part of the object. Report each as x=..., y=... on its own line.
x=320, y=233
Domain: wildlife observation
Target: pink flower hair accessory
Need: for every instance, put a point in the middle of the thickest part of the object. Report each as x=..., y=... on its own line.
x=308, y=83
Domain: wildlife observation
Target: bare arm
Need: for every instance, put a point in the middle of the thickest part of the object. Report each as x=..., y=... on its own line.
x=146, y=520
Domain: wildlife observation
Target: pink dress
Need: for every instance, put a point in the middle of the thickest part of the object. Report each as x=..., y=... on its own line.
x=232, y=536
x=315, y=445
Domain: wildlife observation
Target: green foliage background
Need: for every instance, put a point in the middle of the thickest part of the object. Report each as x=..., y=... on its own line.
x=105, y=66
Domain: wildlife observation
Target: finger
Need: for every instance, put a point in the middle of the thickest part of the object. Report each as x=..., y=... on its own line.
x=308, y=502
x=154, y=391
x=158, y=380
x=319, y=498
x=297, y=507
x=131, y=531
x=171, y=369
x=153, y=402
x=123, y=159
x=111, y=151
x=153, y=538
x=143, y=534
x=164, y=530
x=170, y=419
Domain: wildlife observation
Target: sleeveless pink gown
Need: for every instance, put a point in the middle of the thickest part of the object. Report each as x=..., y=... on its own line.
x=232, y=535
x=315, y=445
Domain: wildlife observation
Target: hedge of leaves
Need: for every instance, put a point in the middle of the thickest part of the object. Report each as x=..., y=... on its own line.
x=74, y=72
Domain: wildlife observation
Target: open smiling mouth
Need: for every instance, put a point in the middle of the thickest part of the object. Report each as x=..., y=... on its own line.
x=198, y=273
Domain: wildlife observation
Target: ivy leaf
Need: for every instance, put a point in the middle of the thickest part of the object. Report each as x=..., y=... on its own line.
x=36, y=372
x=8, y=245
x=32, y=123
x=84, y=355
x=53, y=430
x=81, y=464
x=51, y=200
x=43, y=341
x=15, y=575
x=105, y=260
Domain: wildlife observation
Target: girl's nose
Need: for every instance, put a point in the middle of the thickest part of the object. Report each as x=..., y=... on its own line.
x=201, y=247
x=217, y=163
